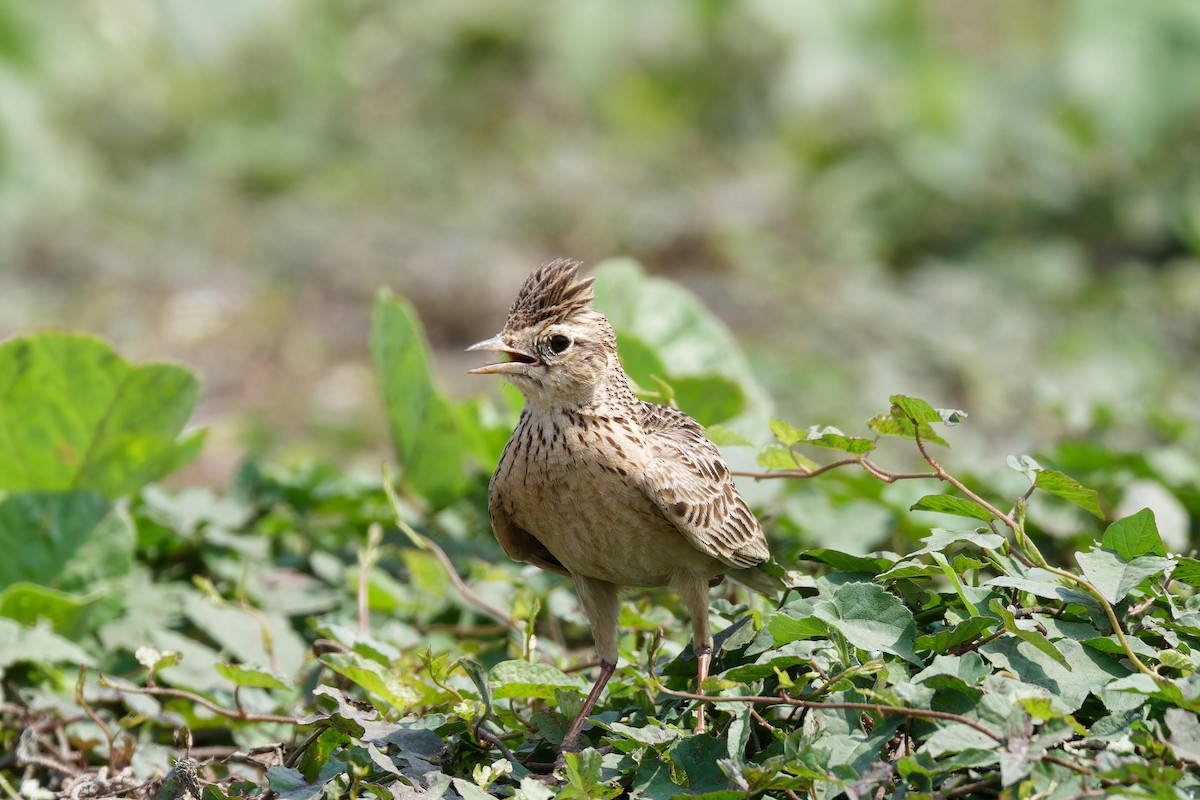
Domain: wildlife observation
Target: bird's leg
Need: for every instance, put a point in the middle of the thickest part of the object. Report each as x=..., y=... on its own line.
x=570, y=742
x=693, y=590
x=601, y=604
x=703, y=656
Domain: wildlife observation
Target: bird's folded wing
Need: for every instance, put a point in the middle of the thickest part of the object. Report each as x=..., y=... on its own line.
x=692, y=486
x=521, y=545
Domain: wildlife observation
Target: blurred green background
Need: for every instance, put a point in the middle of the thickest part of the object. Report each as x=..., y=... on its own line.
x=995, y=206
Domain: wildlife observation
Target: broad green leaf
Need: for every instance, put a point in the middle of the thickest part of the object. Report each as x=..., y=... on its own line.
x=964, y=632
x=65, y=540
x=945, y=504
x=524, y=679
x=834, y=439
x=1034, y=638
x=37, y=645
x=698, y=756
x=431, y=450
x=784, y=432
x=786, y=628
x=914, y=408
x=652, y=733
x=871, y=564
x=871, y=618
x=1184, y=738
x=584, y=777
x=708, y=399
x=1070, y=677
x=774, y=456
x=1133, y=536
x=1187, y=570
x=722, y=436
x=250, y=677
x=969, y=668
x=891, y=425
x=376, y=679
x=288, y=784
x=939, y=539
x=72, y=616
x=684, y=334
x=1068, y=488
x=75, y=415
x=1115, y=577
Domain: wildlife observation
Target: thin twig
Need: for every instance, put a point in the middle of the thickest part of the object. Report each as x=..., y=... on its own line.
x=968, y=788
x=808, y=704
x=424, y=542
x=163, y=691
x=498, y=743
x=294, y=757
x=94, y=717
x=762, y=721
x=959, y=485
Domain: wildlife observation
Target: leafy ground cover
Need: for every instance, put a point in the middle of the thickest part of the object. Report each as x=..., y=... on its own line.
x=310, y=633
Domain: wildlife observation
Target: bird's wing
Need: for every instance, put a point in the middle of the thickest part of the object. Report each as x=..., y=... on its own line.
x=692, y=486
x=520, y=544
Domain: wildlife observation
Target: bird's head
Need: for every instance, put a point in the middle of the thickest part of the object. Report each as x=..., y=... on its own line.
x=557, y=349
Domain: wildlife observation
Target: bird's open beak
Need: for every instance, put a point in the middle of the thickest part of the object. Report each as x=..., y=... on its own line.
x=518, y=361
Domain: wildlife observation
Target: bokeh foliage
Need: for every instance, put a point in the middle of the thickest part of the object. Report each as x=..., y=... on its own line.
x=1005, y=193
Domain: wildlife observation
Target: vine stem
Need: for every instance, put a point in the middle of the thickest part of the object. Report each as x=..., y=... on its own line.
x=1109, y=612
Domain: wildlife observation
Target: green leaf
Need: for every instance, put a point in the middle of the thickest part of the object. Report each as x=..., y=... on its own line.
x=64, y=540
x=786, y=628
x=1034, y=638
x=964, y=632
x=722, y=436
x=902, y=427
x=939, y=539
x=685, y=337
x=1026, y=465
x=1115, y=577
x=1133, y=536
x=945, y=504
x=708, y=399
x=784, y=432
x=584, y=781
x=1069, y=489
x=523, y=679
x=1184, y=734
x=775, y=457
x=834, y=439
x=870, y=618
x=250, y=677
x=1187, y=570
x=72, y=616
x=288, y=784
x=871, y=564
x=376, y=679
x=430, y=448
x=75, y=415
x=915, y=409
x=36, y=645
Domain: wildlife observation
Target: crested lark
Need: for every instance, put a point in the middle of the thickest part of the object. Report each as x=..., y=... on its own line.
x=601, y=486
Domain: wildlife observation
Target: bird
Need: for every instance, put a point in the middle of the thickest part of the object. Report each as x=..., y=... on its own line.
x=602, y=487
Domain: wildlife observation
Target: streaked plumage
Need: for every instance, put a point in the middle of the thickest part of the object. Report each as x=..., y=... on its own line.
x=601, y=486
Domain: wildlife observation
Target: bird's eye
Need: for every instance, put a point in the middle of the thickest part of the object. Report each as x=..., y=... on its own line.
x=558, y=343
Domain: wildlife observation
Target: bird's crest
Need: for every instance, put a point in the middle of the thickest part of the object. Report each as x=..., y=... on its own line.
x=552, y=293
